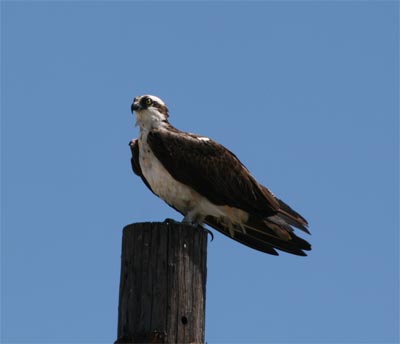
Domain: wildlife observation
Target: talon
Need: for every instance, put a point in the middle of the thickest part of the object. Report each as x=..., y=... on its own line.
x=207, y=230
x=170, y=221
x=211, y=234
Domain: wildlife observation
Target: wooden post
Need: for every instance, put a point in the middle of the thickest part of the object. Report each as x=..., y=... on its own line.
x=163, y=283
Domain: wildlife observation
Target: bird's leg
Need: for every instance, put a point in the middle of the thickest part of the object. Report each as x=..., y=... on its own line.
x=196, y=220
x=192, y=218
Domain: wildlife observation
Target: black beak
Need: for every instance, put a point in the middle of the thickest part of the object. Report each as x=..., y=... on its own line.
x=135, y=107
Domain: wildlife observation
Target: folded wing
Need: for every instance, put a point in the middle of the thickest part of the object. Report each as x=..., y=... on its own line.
x=212, y=170
x=260, y=232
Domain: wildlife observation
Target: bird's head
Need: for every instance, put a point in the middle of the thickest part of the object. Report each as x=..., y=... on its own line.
x=151, y=111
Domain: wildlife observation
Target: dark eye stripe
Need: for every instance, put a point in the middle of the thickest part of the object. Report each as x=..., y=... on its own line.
x=146, y=102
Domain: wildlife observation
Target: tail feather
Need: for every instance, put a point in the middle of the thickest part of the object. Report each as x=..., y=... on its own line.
x=280, y=235
x=262, y=236
x=292, y=217
x=241, y=237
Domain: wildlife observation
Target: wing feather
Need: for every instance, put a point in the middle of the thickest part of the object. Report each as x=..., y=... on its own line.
x=211, y=170
x=134, y=145
x=259, y=233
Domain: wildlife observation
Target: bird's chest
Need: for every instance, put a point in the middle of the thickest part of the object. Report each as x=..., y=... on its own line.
x=160, y=180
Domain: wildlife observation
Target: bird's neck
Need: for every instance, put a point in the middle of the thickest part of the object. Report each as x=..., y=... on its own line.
x=151, y=119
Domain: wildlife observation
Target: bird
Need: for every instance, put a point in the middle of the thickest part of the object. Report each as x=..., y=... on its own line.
x=209, y=185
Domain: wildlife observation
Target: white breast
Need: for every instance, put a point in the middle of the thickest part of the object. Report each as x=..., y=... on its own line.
x=179, y=195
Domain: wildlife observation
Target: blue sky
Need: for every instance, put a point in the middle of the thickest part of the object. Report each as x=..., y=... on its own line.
x=305, y=93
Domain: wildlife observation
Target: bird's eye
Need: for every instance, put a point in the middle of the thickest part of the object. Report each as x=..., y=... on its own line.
x=149, y=102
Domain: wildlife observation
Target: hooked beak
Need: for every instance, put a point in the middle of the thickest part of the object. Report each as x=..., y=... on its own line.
x=135, y=106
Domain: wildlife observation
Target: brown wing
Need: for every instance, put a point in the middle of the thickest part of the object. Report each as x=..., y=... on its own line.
x=258, y=234
x=211, y=170
x=134, y=145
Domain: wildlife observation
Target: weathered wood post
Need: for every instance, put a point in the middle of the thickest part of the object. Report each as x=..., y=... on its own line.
x=163, y=283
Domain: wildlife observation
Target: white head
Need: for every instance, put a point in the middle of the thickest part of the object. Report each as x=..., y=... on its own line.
x=151, y=111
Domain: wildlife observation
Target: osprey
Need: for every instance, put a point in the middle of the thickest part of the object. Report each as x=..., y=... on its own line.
x=208, y=184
